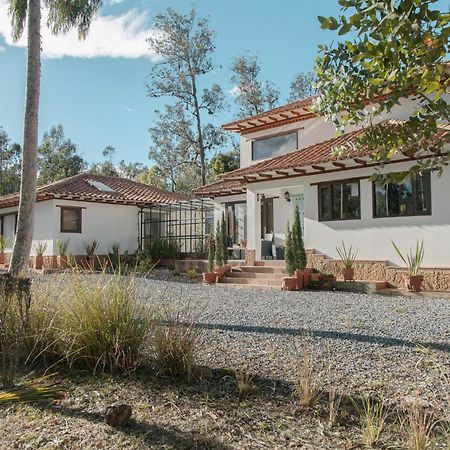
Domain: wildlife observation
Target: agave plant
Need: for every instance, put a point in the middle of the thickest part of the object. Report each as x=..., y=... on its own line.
x=413, y=259
x=347, y=254
x=90, y=247
x=40, y=248
x=62, y=246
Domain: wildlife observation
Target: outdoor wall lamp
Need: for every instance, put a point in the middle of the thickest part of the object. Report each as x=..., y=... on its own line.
x=287, y=196
x=260, y=197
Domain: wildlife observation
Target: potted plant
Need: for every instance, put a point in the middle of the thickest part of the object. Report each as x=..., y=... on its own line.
x=221, y=248
x=2, y=249
x=210, y=277
x=61, y=247
x=413, y=260
x=299, y=250
x=348, y=256
x=90, y=248
x=290, y=283
x=39, y=249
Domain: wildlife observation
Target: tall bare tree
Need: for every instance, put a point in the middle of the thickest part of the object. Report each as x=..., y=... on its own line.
x=302, y=86
x=185, y=45
x=63, y=15
x=251, y=94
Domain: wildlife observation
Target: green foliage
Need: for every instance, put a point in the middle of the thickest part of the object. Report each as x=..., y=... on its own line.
x=299, y=246
x=413, y=259
x=164, y=248
x=252, y=96
x=90, y=247
x=96, y=324
x=2, y=243
x=40, y=248
x=32, y=391
x=347, y=254
x=225, y=162
x=290, y=252
x=153, y=177
x=211, y=250
x=62, y=246
x=192, y=274
x=219, y=245
x=58, y=157
x=10, y=165
x=302, y=86
x=399, y=49
x=185, y=46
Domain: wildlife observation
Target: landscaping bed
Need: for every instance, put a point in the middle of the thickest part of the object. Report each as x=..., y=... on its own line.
x=391, y=348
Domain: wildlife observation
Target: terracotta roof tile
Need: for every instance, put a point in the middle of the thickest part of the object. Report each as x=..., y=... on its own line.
x=78, y=187
x=220, y=188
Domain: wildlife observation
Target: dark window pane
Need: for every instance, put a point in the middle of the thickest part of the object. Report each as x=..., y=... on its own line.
x=324, y=199
x=278, y=145
x=345, y=201
x=71, y=220
x=409, y=198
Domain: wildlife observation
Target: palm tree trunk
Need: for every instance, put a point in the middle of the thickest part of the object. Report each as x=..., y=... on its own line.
x=25, y=223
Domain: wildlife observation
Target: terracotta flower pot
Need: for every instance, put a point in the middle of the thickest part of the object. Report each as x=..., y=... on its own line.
x=227, y=268
x=289, y=283
x=413, y=283
x=307, y=271
x=300, y=279
x=90, y=262
x=62, y=262
x=209, y=277
x=348, y=273
x=2, y=258
x=220, y=271
x=314, y=276
x=38, y=262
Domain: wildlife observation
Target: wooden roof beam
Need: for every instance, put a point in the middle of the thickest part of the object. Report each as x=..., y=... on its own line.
x=282, y=172
x=285, y=116
x=339, y=164
x=273, y=118
x=297, y=170
x=316, y=167
x=360, y=161
x=265, y=175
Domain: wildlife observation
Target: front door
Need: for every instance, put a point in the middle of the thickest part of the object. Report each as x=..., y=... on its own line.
x=299, y=200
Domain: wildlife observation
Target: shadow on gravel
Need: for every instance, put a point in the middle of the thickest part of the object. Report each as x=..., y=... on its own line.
x=346, y=336
x=152, y=434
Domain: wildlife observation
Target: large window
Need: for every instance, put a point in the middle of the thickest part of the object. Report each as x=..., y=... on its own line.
x=410, y=198
x=70, y=220
x=277, y=145
x=236, y=214
x=339, y=200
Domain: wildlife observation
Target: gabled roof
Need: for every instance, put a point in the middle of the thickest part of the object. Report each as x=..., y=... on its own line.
x=292, y=112
x=313, y=160
x=219, y=188
x=101, y=189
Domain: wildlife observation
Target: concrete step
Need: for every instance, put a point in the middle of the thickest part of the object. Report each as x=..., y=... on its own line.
x=367, y=287
x=262, y=269
x=238, y=274
x=249, y=286
x=253, y=281
x=271, y=263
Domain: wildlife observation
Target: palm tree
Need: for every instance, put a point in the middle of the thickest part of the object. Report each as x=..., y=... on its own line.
x=63, y=15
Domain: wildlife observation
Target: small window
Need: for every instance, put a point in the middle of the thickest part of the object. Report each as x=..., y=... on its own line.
x=70, y=220
x=339, y=201
x=274, y=146
x=412, y=197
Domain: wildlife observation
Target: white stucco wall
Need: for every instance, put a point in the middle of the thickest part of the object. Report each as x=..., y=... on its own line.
x=102, y=222
x=372, y=236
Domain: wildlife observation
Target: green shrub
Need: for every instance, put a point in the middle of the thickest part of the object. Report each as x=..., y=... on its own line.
x=299, y=246
x=95, y=324
x=289, y=254
x=192, y=274
x=164, y=248
x=211, y=250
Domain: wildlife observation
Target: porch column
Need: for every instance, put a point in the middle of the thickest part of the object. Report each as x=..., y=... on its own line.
x=253, y=223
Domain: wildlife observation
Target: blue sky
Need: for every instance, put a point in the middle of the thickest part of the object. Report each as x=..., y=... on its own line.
x=97, y=89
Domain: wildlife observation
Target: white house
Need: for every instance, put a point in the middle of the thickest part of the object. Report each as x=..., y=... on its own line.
x=85, y=208
x=287, y=160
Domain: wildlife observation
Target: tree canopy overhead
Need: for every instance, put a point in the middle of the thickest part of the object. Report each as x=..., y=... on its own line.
x=396, y=48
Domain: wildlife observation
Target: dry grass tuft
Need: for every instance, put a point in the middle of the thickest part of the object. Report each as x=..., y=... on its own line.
x=307, y=388
x=244, y=382
x=417, y=426
x=372, y=417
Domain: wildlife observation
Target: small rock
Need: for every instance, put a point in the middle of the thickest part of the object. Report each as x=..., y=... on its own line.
x=118, y=414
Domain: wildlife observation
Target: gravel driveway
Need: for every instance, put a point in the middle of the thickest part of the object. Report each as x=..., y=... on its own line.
x=397, y=346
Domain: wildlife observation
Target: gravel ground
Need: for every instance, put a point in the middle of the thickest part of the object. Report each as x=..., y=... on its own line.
x=396, y=346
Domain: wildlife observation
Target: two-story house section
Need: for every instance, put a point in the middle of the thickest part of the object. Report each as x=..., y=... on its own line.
x=287, y=159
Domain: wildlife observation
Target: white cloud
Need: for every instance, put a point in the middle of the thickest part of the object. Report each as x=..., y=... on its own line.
x=234, y=91
x=122, y=36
